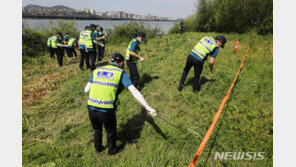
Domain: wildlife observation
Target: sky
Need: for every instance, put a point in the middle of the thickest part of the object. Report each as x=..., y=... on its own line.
x=165, y=8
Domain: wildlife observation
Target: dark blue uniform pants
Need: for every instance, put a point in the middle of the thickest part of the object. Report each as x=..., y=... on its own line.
x=98, y=119
x=92, y=56
x=134, y=74
x=100, y=52
x=84, y=56
x=198, y=65
x=58, y=52
x=51, y=51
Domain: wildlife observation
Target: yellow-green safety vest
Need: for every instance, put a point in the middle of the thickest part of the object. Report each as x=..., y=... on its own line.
x=48, y=42
x=205, y=46
x=81, y=38
x=103, y=90
x=127, y=54
x=54, y=42
x=71, y=42
x=100, y=34
x=88, y=40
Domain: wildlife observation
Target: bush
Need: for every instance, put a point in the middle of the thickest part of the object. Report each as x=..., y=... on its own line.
x=33, y=42
x=231, y=16
x=190, y=25
x=127, y=31
x=62, y=26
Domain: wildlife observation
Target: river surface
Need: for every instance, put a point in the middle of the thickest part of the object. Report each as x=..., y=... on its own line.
x=165, y=26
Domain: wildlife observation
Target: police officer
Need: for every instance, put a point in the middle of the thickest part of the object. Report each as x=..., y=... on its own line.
x=66, y=41
x=90, y=40
x=51, y=50
x=57, y=46
x=132, y=56
x=181, y=26
x=72, y=43
x=206, y=46
x=104, y=86
x=100, y=36
x=83, y=54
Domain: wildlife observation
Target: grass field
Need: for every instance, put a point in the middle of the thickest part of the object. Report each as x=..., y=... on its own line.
x=56, y=130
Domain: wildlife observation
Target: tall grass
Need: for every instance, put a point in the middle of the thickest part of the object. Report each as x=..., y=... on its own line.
x=57, y=130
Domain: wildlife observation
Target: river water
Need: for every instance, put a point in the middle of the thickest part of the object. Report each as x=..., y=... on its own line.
x=165, y=26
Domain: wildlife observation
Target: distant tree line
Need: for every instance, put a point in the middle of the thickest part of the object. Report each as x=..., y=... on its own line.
x=230, y=16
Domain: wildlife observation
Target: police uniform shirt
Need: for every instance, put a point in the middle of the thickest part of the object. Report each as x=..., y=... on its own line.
x=58, y=40
x=135, y=45
x=100, y=35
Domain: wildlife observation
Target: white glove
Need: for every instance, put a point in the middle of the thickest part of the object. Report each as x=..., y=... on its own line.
x=151, y=111
x=141, y=59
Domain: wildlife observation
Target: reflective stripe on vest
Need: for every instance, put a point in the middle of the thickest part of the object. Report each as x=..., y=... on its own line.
x=81, y=38
x=54, y=42
x=205, y=46
x=103, y=91
x=71, y=42
x=88, y=40
x=48, y=41
x=127, y=54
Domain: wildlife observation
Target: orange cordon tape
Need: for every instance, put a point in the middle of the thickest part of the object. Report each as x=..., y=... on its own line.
x=209, y=132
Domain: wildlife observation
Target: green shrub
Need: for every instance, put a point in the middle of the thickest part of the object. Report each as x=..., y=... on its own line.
x=62, y=26
x=190, y=25
x=230, y=16
x=33, y=42
x=127, y=31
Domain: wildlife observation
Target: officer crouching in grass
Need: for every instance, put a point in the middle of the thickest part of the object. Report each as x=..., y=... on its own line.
x=206, y=46
x=132, y=56
x=104, y=86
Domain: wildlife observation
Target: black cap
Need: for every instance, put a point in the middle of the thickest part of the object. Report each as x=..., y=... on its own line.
x=222, y=39
x=143, y=35
x=117, y=57
x=59, y=33
x=92, y=25
x=67, y=33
